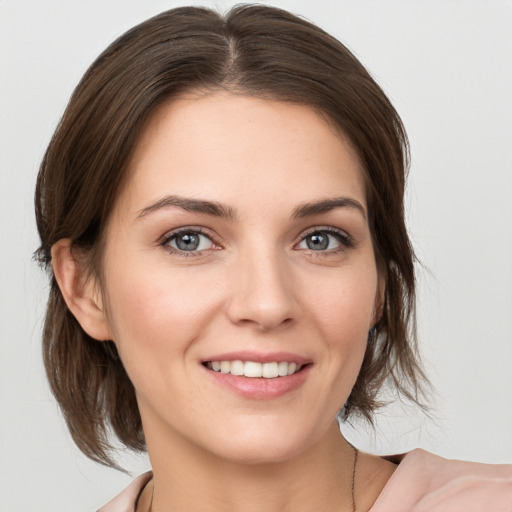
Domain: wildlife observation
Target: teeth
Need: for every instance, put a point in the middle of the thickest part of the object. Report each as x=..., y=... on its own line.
x=270, y=370
x=282, y=369
x=237, y=368
x=252, y=369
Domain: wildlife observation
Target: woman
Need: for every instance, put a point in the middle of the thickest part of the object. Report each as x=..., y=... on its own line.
x=222, y=209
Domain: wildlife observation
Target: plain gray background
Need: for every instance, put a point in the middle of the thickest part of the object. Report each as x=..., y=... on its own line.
x=446, y=65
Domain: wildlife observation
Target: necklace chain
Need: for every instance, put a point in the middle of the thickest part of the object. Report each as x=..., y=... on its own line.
x=352, y=484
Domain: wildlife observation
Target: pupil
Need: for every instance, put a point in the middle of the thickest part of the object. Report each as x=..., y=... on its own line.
x=187, y=242
x=317, y=242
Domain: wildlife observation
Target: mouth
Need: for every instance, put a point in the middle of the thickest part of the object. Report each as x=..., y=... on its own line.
x=258, y=376
x=254, y=369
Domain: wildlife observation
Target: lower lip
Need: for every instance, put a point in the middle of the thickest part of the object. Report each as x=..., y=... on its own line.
x=260, y=388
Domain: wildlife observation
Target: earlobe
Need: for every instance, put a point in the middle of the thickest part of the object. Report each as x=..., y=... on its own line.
x=81, y=293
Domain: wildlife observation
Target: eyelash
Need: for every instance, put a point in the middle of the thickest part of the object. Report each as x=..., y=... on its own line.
x=346, y=242
x=183, y=231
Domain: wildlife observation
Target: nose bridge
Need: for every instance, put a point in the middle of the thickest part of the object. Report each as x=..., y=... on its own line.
x=261, y=287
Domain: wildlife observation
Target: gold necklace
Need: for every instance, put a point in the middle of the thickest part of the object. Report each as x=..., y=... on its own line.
x=352, y=484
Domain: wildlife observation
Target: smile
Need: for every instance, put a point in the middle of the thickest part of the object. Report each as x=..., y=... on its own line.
x=252, y=369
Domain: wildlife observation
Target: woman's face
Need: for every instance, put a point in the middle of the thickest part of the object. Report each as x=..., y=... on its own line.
x=240, y=244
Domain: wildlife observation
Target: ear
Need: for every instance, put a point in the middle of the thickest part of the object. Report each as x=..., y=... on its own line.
x=82, y=294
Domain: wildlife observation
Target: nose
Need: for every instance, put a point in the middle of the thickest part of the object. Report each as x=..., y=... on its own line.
x=261, y=291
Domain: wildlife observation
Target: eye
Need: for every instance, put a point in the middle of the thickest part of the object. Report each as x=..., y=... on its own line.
x=189, y=241
x=324, y=240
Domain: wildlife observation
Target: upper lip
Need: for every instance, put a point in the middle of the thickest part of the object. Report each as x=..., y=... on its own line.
x=259, y=357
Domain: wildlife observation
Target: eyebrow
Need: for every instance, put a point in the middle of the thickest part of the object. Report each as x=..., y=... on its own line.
x=327, y=205
x=216, y=209
x=212, y=208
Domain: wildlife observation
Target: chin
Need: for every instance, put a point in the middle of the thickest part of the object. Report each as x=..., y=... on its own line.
x=263, y=445
x=260, y=455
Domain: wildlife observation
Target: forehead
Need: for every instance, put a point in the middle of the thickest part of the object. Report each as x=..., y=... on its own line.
x=238, y=148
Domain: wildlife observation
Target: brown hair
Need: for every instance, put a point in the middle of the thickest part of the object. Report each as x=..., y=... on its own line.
x=254, y=50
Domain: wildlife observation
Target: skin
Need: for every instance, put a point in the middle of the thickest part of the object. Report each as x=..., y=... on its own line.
x=255, y=285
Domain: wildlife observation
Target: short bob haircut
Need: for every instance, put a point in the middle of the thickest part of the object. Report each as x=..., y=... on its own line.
x=253, y=50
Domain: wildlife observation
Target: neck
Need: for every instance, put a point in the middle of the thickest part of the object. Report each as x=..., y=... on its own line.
x=319, y=478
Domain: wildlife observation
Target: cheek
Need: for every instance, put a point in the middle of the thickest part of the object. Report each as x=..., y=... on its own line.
x=345, y=305
x=160, y=310
x=343, y=314
x=156, y=318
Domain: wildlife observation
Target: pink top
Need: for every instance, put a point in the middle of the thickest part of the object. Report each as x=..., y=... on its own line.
x=422, y=482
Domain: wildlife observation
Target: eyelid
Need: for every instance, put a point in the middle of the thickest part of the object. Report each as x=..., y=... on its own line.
x=200, y=230
x=346, y=241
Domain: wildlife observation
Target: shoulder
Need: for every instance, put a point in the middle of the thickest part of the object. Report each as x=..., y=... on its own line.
x=127, y=500
x=426, y=482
